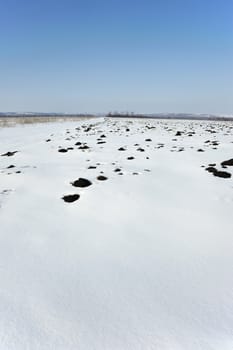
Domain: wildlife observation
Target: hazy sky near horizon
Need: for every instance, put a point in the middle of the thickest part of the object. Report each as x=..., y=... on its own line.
x=125, y=55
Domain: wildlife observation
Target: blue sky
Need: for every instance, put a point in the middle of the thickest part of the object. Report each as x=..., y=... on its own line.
x=126, y=55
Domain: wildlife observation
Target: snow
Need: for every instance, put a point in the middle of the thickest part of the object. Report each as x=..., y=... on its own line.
x=138, y=262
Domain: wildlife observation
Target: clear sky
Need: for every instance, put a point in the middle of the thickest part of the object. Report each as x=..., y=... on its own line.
x=126, y=55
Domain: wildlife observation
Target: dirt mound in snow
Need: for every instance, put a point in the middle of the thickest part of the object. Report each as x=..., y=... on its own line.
x=70, y=198
x=81, y=182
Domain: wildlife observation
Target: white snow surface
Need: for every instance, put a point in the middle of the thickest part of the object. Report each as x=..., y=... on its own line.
x=139, y=262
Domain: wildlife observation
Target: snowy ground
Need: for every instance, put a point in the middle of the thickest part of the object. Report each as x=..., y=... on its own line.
x=142, y=260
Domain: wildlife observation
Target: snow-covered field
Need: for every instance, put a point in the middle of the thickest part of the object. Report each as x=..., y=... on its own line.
x=142, y=260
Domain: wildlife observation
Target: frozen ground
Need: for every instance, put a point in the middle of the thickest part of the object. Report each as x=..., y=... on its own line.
x=141, y=261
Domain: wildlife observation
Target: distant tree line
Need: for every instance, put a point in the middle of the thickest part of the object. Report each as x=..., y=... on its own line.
x=125, y=115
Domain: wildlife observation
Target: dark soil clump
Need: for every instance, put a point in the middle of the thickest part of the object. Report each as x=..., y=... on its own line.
x=70, y=198
x=223, y=174
x=228, y=162
x=81, y=182
x=9, y=154
x=102, y=178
